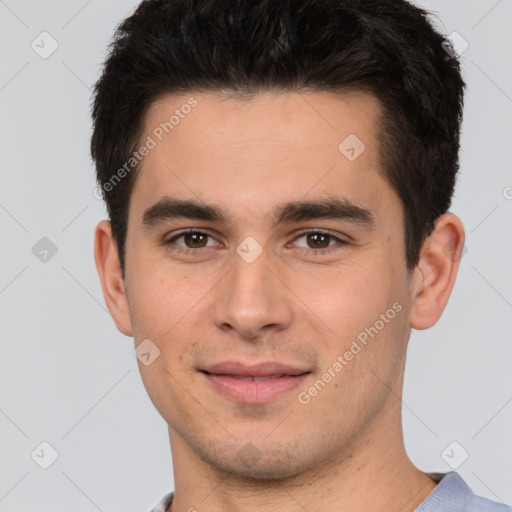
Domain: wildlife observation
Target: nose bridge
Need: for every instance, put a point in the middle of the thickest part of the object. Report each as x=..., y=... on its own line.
x=251, y=297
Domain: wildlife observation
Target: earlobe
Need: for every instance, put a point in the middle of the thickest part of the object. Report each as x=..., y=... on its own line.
x=109, y=270
x=435, y=274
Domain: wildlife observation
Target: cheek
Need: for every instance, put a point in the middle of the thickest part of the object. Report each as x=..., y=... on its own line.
x=158, y=299
x=166, y=307
x=365, y=311
x=351, y=298
x=367, y=314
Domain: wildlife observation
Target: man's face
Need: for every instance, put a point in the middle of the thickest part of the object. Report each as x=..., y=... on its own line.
x=246, y=289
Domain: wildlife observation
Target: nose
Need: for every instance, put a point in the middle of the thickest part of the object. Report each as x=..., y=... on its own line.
x=253, y=299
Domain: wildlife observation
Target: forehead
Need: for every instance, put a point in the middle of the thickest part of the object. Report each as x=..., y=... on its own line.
x=269, y=148
x=307, y=119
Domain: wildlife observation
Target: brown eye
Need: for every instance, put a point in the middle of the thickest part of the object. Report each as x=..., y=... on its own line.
x=191, y=240
x=320, y=240
x=195, y=240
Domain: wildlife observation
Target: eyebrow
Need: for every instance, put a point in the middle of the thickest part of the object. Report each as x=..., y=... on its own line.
x=336, y=208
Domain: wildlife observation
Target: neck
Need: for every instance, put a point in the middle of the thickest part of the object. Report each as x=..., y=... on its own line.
x=374, y=473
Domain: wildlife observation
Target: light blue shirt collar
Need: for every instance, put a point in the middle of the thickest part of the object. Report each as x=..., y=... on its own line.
x=451, y=494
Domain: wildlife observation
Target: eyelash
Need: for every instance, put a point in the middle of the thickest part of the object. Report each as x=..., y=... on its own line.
x=316, y=252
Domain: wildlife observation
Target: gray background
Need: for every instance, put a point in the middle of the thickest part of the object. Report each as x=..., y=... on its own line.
x=69, y=378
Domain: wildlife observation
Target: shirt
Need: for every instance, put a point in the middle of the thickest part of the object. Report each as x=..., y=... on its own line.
x=451, y=494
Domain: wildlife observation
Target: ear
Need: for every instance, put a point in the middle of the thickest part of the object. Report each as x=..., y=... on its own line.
x=109, y=269
x=434, y=276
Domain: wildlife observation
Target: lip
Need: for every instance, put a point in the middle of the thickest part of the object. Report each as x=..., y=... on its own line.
x=263, y=369
x=256, y=384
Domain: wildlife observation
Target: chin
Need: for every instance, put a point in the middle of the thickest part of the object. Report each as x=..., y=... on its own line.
x=259, y=472
x=251, y=463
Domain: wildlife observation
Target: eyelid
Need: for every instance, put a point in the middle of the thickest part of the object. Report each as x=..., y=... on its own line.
x=186, y=232
x=321, y=232
x=340, y=241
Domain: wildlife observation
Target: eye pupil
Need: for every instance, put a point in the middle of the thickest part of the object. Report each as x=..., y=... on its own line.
x=194, y=237
x=316, y=237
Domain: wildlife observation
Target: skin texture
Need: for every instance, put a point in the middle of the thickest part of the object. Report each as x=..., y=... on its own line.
x=343, y=450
